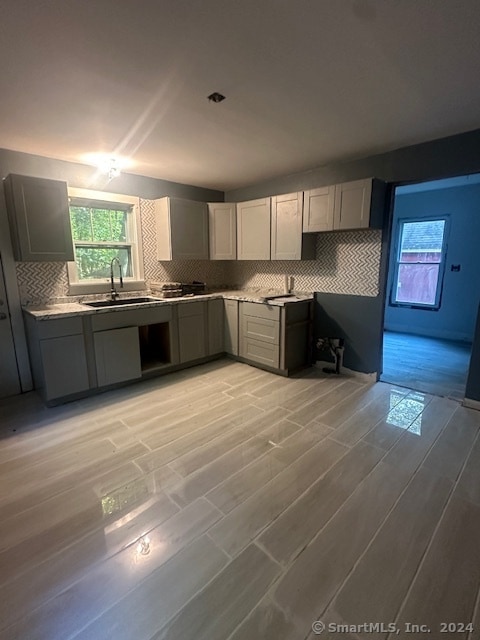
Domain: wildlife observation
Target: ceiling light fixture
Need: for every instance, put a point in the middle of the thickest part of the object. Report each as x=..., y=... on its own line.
x=107, y=164
x=216, y=97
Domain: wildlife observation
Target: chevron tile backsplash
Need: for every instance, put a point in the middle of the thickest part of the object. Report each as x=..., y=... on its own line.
x=347, y=263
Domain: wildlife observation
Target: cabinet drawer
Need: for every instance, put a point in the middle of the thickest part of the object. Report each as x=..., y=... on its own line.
x=188, y=309
x=261, y=329
x=260, y=310
x=60, y=327
x=260, y=352
x=131, y=317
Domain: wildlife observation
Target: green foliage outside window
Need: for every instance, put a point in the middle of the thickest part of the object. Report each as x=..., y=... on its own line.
x=100, y=235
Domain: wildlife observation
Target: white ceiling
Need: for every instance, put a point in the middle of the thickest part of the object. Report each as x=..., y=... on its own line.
x=308, y=82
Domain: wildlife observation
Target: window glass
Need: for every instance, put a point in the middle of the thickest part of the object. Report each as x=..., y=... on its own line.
x=420, y=256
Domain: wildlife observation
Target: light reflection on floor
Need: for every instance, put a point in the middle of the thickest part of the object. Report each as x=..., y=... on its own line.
x=406, y=412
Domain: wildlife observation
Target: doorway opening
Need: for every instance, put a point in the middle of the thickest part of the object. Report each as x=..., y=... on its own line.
x=432, y=294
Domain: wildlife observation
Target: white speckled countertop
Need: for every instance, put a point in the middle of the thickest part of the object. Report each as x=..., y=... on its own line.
x=70, y=309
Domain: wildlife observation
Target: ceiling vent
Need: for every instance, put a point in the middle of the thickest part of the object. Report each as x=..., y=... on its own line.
x=216, y=97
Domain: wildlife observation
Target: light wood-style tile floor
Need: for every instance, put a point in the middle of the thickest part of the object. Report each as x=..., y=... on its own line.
x=224, y=502
x=426, y=364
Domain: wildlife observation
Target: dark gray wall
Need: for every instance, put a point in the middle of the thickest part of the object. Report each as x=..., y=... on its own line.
x=86, y=177
x=443, y=158
x=473, y=382
x=356, y=319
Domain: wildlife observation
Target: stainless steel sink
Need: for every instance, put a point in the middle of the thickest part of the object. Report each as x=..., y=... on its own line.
x=120, y=302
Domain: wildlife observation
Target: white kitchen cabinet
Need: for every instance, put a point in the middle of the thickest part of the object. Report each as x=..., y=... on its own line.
x=231, y=326
x=117, y=355
x=222, y=229
x=253, y=229
x=39, y=219
x=288, y=242
x=182, y=229
x=192, y=339
x=352, y=204
x=318, y=209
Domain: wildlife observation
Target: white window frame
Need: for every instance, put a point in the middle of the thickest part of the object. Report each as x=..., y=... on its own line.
x=135, y=282
x=441, y=265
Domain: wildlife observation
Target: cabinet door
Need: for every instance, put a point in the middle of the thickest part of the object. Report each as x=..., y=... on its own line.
x=231, y=326
x=117, y=355
x=39, y=219
x=64, y=366
x=222, y=228
x=189, y=229
x=215, y=327
x=287, y=226
x=352, y=204
x=318, y=209
x=253, y=230
x=181, y=229
x=191, y=331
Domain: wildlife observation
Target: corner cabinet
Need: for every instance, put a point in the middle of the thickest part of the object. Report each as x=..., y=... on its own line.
x=39, y=219
x=288, y=240
x=182, y=229
x=222, y=229
x=253, y=229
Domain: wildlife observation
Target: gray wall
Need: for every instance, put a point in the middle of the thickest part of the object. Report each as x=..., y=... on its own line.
x=443, y=158
x=86, y=177
x=455, y=320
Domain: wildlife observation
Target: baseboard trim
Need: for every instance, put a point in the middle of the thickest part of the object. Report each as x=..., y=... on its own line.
x=471, y=404
x=365, y=377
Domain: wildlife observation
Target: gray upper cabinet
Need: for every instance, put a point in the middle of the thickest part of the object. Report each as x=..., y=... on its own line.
x=222, y=228
x=319, y=209
x=39, y=219
x=182, y=229
x=253, y=229
x=352, y=204
x=288, y=241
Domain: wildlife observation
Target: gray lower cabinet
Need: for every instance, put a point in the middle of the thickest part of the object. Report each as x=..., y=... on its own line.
x=64, y=365
x=58, y=356
x=117, y=355
x=260, y=333
x=230, y=327
x=276, y=337
x=192, y=342
x=215, y=327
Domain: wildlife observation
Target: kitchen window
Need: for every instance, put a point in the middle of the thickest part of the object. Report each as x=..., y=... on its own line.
x=104, y=226
x=419, y=262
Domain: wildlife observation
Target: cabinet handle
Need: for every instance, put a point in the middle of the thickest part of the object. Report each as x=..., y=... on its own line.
x=3, y=316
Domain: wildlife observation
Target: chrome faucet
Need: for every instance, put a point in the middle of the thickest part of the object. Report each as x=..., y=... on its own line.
x=113, y=292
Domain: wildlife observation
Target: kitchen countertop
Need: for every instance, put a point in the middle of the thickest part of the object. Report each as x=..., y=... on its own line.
x=71, y=309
